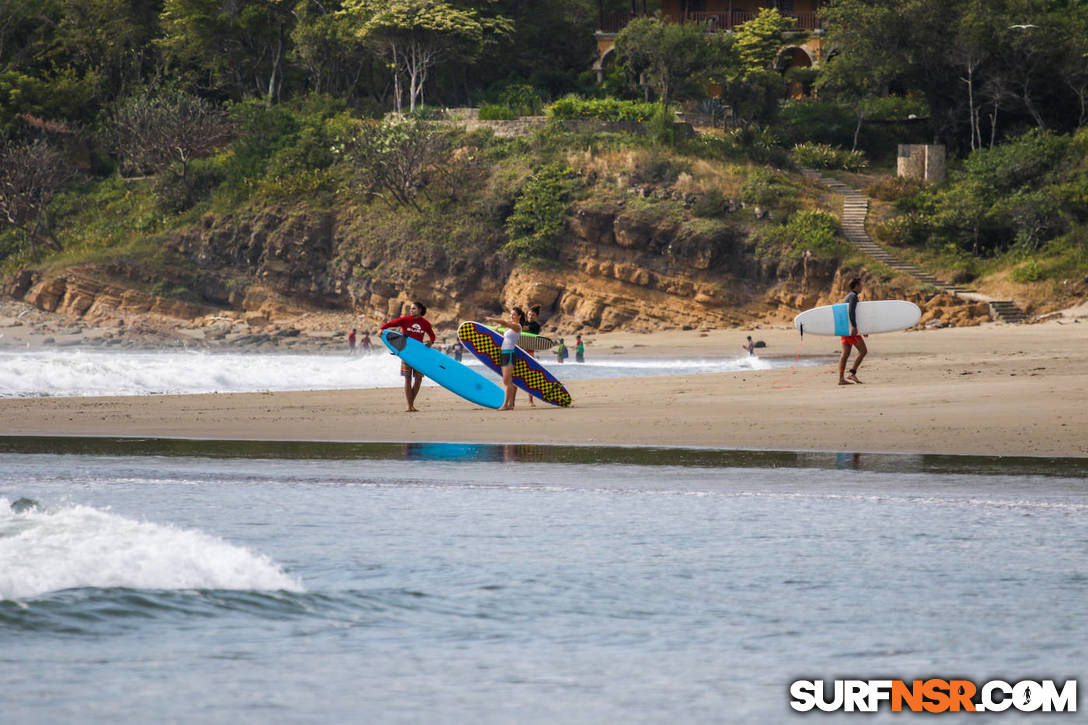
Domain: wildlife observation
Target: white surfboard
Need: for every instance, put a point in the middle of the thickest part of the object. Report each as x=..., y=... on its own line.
x=872, y=317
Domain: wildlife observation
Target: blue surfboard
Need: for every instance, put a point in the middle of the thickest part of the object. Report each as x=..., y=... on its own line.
x=453, y=376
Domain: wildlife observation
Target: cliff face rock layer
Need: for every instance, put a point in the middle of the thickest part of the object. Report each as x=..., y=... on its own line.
x=617, y=268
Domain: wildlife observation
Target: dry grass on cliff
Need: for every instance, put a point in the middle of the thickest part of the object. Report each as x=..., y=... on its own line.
x=627, y=167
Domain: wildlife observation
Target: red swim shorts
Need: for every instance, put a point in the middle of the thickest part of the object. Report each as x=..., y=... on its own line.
x=850, y=339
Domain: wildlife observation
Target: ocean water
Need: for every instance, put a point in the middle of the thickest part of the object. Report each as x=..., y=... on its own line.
x=221, y=582
x=94, y=372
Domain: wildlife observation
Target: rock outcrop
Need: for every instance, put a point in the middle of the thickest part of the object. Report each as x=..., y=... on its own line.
x=618, y=268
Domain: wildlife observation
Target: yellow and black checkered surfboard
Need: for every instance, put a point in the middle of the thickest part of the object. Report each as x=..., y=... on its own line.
x=529, y=375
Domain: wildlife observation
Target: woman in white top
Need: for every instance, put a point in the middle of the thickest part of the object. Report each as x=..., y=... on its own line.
x=509, y=350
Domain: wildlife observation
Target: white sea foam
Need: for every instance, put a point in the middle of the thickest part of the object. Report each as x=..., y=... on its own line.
x=44, y=551
x=86, y=373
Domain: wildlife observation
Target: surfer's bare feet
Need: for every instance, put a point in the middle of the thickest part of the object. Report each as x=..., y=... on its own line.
x=843, y=381
x=853, y=378
x=506, y=407
x=411, y=410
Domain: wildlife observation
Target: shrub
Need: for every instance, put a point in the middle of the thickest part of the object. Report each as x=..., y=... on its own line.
x=662, y=126
x=657, y=167
x=1028, y=272
x=711, y=204
x=759, y=144
x=203, y=177
x=533, y=227
x=823, y=156
x=427, y=113
x=492, y=112
x=262, y=131
x=711, y=147
x=601, y=109
x=763, y=187
x=522, y=98
x=812, y=120
x=899, y=231
x=808, y=230
x=894, y=188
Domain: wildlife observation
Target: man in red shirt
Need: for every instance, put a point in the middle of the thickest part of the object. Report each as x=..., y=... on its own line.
x=415, y=326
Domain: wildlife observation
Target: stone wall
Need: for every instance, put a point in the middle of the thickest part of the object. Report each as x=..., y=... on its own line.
x=925, y=162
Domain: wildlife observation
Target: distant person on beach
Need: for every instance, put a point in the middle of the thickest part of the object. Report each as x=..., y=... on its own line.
x=508, y=352
x=415, y=326
x=853, y=339
x=749, y=346
x=579, y=350
x=351, y=342
x=365, y=342
x=561, y=351
x=458, y=350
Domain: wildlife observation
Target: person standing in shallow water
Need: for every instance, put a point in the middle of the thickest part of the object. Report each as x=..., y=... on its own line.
x=853, y=339
x=579, y=349
x=415, y=326
x=561, y=351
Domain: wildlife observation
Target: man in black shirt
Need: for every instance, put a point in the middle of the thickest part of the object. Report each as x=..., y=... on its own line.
x=853, y=339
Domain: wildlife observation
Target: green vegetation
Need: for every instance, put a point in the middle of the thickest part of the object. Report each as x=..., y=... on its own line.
x=127, y=124
x=806, y=232
x=601, y=109
x=823, y=156
x=495, y=112
x=1022, y=204
x=539, y=213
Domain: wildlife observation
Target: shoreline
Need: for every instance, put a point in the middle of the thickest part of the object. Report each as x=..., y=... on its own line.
x=994, y=390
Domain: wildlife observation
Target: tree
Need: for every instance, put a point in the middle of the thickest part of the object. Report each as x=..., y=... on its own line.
x=1073, y=69
x=754, y=97
x=31, y=173
x=325, y=44
x=413, y=36
x=759, y=40
x=157, y=130
x=110, y=37
x=978, y=35
x=396, y=158
x=238, y=48
x=661, y=54
x=907, y=43
x=743, y=68
x=972, y=60
x=847, y=81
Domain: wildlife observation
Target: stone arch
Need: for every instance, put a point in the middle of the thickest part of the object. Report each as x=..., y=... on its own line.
x=794, y=56
x=605, y=59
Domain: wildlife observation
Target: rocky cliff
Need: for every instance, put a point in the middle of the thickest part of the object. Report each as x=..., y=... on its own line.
x=618, y=268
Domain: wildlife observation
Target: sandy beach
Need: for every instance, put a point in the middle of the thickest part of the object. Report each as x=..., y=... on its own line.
x=993, y=390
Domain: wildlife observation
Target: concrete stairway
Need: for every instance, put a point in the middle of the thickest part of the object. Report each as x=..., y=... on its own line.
x=855, y=209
